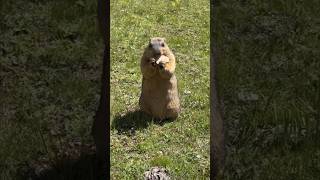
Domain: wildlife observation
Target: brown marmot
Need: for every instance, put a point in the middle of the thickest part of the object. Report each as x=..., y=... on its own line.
x=159, y=95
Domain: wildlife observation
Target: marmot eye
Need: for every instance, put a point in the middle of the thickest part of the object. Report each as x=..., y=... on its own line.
x=162, y=44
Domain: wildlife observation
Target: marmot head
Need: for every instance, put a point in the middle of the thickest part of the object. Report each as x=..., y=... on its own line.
x=158, y=46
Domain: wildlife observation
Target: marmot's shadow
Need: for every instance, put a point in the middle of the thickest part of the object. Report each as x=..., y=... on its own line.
x=134, y=120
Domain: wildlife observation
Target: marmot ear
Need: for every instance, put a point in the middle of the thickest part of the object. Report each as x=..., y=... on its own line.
x=164, y=39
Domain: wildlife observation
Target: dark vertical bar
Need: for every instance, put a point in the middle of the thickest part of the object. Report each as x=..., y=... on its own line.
x=100, y=129
x=217, y=146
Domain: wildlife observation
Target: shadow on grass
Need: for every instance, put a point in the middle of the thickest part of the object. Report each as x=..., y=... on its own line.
x=85, y=167
x=135, y=120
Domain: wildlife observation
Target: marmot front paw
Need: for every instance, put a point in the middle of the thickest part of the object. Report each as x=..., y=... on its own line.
x=153, y=62
x=162, y=61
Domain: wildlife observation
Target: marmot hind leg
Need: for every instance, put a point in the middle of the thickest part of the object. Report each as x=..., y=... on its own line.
x=172, y=114
x=144, y=108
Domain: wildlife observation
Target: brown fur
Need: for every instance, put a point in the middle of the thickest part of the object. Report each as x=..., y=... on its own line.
x=159, y=94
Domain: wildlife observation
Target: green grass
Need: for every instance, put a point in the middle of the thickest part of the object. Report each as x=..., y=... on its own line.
x=50, y=67
x=138, y=143
x=50, y=80
x=50, y=71
x=269, y=77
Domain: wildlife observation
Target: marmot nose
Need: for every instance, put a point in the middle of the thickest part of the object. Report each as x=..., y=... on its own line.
x=156, y=48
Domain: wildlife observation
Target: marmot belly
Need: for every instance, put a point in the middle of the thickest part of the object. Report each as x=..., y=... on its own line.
x=159, y=97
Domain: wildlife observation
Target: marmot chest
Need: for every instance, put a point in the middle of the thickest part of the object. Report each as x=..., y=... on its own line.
x=159, y=90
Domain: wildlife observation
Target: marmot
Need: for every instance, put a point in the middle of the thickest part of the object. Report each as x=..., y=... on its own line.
x=159, y=93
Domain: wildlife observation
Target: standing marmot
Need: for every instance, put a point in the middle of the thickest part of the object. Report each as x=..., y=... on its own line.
x=159, y=95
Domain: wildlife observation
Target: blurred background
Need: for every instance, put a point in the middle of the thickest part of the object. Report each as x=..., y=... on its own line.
x=268, y=74
x=50, y=74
